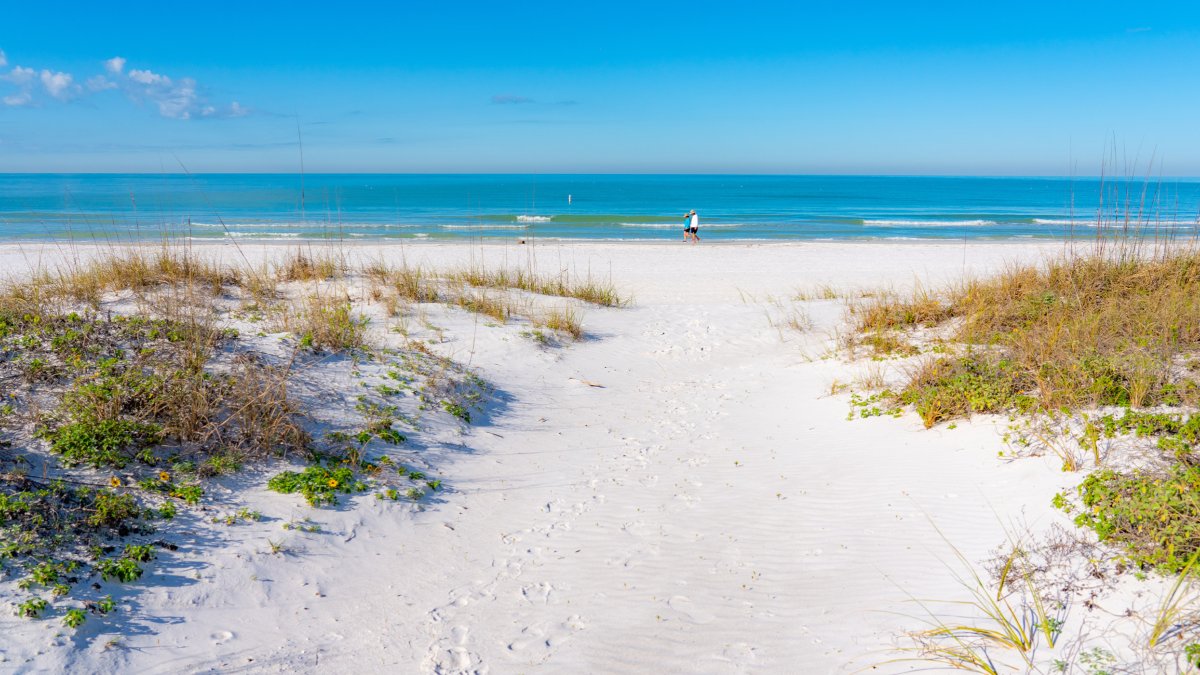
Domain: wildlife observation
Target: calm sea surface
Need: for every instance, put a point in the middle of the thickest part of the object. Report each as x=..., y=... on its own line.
x=271, y=206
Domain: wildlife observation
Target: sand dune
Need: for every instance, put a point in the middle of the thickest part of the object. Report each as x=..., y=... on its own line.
x=678, y=492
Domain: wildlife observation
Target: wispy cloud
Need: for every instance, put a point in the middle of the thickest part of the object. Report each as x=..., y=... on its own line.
x=179, y=99
x=173, y=98
x=19, y=76
x=59, y=85
x=22, y=79
x=510, y=99
x=98, y=83
x=513, y=99
x=18, y=99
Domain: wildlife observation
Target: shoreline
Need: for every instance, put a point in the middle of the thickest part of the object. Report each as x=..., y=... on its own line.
x=571, y=241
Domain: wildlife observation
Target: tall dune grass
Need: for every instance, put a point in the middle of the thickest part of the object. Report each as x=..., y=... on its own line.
x=564, y=285
x=1111, y=324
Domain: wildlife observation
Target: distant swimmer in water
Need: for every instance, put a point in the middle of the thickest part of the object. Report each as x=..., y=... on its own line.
x=694, y=226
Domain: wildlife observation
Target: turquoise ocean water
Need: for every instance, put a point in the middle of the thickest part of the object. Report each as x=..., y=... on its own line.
x=633, y=207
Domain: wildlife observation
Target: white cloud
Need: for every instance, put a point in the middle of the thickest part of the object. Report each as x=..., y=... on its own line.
x=23, y=98
x=149, y=78
x=100, y=83
x=58, y=84
x=510, y=99
x=3, y=59
x=23, y=79
x=20, y=76
x=176, y=102
x=173, y=98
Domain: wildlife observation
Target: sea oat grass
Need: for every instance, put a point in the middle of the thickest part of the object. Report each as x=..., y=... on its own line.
x=327, y=321
x=994, y=628
x=565, y=320
x=303, y=265
x=493, y=305
x=587, y=289
x=1096, y=329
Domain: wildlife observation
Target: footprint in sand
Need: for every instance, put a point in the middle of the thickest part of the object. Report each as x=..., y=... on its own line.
x=450, y=655
x=687, y=610
x=221, y=637
x=625, y=561
x=538, y=641
x=685, y=501
x=637, y=528
x=538, y=593
x=739, y=653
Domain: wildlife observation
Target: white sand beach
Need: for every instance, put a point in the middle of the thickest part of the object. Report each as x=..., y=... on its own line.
x=679, y=492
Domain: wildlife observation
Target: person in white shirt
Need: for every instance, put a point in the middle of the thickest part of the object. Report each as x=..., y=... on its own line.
x=695, y=226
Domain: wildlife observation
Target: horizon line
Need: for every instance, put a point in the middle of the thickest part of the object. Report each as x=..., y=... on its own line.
x=1150, y=178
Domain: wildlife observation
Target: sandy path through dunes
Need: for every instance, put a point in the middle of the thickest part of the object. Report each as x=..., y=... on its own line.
x=677, y=493
x=717, y=513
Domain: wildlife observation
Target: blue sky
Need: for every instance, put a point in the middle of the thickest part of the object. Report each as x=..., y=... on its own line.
x=758, y=87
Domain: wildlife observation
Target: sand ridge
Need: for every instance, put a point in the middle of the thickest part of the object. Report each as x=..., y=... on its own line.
x=678, y=492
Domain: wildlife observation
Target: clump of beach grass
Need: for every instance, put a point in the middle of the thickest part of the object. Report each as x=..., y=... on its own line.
x=1098, y=327
x=396, y=287
x=138, y=269
x=1006, y=619
x=587, y=288
x=301, y=265
x=408, y=283
x=495, y=305
x=564, y=320
x=326, y=321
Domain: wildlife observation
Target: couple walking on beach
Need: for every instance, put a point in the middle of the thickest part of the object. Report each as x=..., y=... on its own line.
x=691, y=225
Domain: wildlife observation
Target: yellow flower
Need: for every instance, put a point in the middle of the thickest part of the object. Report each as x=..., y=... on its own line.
x=333, y=482
x=114, y=481
x=164, y=476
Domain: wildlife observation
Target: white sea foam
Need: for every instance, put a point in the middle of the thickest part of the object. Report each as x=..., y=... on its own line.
x=484, y=227
x=1142, y=226
x=263, y=235
x=675, y=226
x=533, y=219
x=257, y=224
x=1146, y=223
x=310, y=225
x=929, y=223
